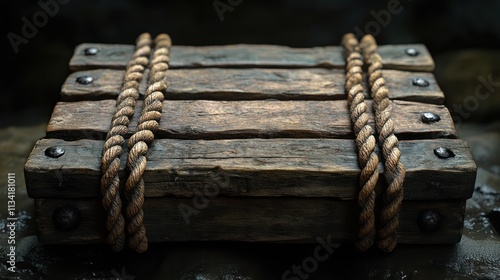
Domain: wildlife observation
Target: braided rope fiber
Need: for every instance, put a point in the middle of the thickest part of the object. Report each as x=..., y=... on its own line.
x=139, y=143
x=365, y=142
x=112, y=150
x=394, y=169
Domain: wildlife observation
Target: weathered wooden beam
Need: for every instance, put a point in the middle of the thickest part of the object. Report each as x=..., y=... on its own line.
x=250, y=219
x=201, y=119
x=252, y=84
x=263, y=56
x=252, y=167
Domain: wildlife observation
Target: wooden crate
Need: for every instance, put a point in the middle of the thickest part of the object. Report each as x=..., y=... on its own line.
x=264, y=131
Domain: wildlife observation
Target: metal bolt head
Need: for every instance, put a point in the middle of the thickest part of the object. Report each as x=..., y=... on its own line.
x=90, y=51
x=54, y=151
x=84, y=80
x=66, y=218
x=442, y=152
x=429, y=221
x=420, y=82
x=412, y=52
x=428, y=117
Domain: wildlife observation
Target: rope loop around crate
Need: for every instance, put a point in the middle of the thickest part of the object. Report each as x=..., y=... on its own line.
x=365, y=142
x=113, y=146
x=138, y=143
x=394, y=170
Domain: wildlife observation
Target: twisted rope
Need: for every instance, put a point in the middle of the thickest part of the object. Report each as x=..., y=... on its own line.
x=141, y=139
x=394, y=168
x=112, y=150
x=365, y=142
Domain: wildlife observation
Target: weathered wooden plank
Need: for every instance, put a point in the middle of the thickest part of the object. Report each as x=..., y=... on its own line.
x=252, y=84
x=203, y=119
x=252, y=167
x=265, y=56
x=395, y=57
x=250, y=219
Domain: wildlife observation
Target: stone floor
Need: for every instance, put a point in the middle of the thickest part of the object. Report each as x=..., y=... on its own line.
x=477, y=256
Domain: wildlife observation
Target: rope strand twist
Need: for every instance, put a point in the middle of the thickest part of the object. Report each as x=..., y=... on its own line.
x=139, y=143
x=394, y=169
x=112, y=149
x=365, y=142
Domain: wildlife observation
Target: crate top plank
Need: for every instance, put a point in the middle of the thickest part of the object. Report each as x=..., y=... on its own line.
x=116, y=56
x=252, y=167
x=205, y=119
x=252, y=84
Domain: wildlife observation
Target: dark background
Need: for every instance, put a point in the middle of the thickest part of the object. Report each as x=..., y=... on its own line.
x=462, y=36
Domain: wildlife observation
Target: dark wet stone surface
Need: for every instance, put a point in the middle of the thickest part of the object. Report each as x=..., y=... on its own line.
x=476, y=257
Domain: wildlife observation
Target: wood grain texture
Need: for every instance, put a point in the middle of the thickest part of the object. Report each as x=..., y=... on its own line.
x=251, y=219
x=263, y=56
x=252, y=167
x=201, y=119
x=252, y=84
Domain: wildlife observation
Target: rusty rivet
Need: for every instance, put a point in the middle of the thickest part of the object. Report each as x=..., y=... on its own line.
x=91, y=51
x=66, y=218
x=412, y=52
x=84, y=80
x=420, y=82
x=428, y=117
x=54, y=152
x=429, y=221
x=442, y=152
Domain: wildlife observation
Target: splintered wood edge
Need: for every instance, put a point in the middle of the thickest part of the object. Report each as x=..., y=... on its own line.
x=202, y=119
x=252, y=84
x=252, y=167
x=250, y=219
x=242, y=55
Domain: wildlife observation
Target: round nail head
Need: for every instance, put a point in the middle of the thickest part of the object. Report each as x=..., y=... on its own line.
x=91, y=51
x=412, y=52
x=442, y=152
x=84, y=80
x=428, y=117
x=420, y=82
x=66, y=218
x=54, y=152
x=429, y=221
